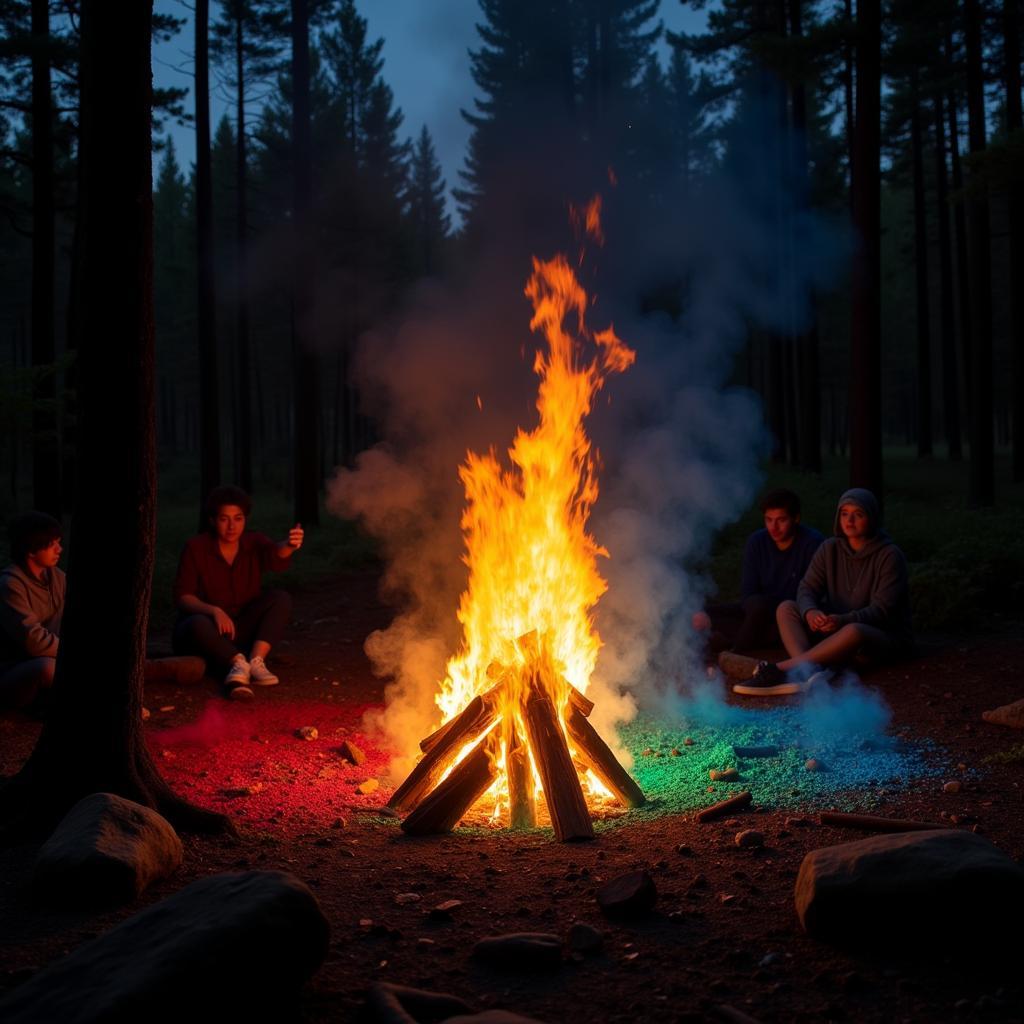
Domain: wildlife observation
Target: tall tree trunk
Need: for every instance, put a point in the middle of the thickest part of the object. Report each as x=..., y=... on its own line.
x=206, y=311
x=982, y=467
x=1014, y=123
x=865, y=325
x=93, y=739
x=306, y=456
x=963, y=271
x=848, y=79
x=950, y=381
x=46, y=489
x=807, y=340
x=924, y=340
x=243, y=426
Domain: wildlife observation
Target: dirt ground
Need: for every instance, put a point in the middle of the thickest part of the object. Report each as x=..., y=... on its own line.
x=724, y=932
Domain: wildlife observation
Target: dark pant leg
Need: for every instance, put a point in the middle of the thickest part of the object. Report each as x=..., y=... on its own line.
x=21, y=683
x=758, y=628
x=263, y=618
x=197, y=634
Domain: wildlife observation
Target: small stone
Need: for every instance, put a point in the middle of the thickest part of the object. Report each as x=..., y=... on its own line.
x=797, y=822
x=726, y=898
x=350, y=752
x=424, y=944
x=675, y=752
x=338, y=823
x=145, y=714
x=167, y=708
x=443, y=911
x=684, y=851
x=749, y=837
x=629, y=895
x=251, y=790
x=648, y=752
x=812, y=764
x=953, y=787
x=307, y=732
x=723, y=774
x=402, y=898
x=688, y=742
x=520, y=950
x=367, y=787
x=583, y=938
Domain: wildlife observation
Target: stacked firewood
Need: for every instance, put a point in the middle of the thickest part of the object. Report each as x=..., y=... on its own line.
x=518, y=712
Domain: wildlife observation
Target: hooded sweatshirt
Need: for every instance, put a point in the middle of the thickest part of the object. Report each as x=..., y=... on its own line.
x=30, y=614
x=869, y=586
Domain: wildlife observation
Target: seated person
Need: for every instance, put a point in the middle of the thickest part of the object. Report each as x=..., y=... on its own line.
x=32, y=592
x=853, y=602
x=774, y=561
x=223, y=612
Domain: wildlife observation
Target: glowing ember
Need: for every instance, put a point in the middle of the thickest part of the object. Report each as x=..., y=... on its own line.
x=529, y=645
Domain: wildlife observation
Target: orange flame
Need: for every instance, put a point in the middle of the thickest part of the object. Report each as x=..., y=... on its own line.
x=532, y=563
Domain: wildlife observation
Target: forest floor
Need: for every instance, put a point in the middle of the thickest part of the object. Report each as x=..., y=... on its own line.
x=723, y=933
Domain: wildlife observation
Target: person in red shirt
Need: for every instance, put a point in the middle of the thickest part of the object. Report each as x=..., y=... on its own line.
x=224, y=615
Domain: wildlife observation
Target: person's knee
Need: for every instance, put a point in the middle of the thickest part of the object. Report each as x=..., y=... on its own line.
x=787, y=611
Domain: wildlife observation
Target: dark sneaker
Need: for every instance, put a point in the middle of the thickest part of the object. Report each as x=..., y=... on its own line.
x=737, y=666
x=768, y=680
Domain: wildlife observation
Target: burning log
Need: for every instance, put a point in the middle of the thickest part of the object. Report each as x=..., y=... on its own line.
x=562, y=792
x=442, y=809
x=872, y=823
x=721, y=809
x=521, y=805
x=474, y=719
x=597, y=756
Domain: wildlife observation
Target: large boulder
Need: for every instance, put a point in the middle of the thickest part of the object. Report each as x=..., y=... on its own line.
x=934, y=888
x=106, y=850
x=229, y=946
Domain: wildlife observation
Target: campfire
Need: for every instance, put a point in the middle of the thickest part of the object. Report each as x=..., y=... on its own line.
x=515, y=736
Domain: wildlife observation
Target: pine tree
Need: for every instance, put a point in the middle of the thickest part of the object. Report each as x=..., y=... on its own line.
x=429, y=222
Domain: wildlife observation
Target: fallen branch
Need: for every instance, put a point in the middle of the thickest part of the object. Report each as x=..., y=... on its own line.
x=720, y=810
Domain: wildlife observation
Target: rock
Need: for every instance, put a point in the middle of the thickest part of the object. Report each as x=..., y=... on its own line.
x=367, y=787
x=941, y=888
x=723, y=774
x=225, y=946
x=350, y=752
x=145, y=714
x=630, y=895
x=812, y=764
x=107, y=849
x=675, y=752
x=583, y=938
x=749, y=837
x=1011, y=715
x=402, y=898
x=684, y=851
x=443, y=911
x=953, y=787
x=307, y=732
x=520, y=950
x=688, y=742
x=400, y=1004
x=648, y=752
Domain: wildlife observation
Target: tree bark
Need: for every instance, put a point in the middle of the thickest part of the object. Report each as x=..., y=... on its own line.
x=46, y=465
x=306, y=436
x=93, y=738
x=1014, y=123
x=206, y=310
x=950, y=381
x=865, y=327
x=982, y=466
x=243, y=425
x=924, y=341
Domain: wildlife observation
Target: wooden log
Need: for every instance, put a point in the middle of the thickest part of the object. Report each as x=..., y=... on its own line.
x=441, y=810
x=428, y=742
x=474, y=719
x=597, y=756
x=583, y=704
x=720, y=810
x=562, y=792
x=521, y=804
x=872, y=823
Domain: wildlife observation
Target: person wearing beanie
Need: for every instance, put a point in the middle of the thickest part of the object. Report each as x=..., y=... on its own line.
x=854, y=601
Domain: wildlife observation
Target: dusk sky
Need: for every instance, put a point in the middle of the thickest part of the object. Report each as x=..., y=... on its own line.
x=425, y=63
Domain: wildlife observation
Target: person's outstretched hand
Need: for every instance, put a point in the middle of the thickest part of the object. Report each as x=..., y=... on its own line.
x=295, y=536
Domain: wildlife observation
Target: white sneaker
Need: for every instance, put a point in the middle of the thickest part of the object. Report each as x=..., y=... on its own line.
x=260, y=675
x=238, y=674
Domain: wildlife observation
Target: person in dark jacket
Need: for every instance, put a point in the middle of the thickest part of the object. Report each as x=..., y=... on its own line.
x=854, y=601
x=224, y=614
x=775, y=559
x=32, y=592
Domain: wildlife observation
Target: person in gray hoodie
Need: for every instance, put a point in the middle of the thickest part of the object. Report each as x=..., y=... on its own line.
x=854, y=601
x=32, y=592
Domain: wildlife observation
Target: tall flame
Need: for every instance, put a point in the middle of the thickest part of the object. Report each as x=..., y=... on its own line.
x=532, y=563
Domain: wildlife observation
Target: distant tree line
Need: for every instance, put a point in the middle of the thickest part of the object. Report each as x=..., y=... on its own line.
x=310, y=215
